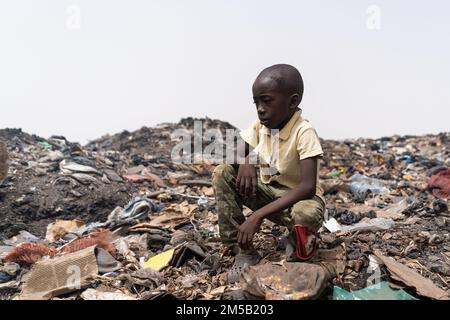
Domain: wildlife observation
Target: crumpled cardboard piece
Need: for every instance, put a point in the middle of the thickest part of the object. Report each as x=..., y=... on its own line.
x=174, y=215
x=424, y=287
x=53, y=277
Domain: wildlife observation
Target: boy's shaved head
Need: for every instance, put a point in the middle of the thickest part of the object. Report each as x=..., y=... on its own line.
x=287, y=78
x=277, y=92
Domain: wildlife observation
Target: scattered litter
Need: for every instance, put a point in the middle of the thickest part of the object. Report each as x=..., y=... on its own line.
x=102, y=239
x=160, y=261
x=410, y=278
x=375, y=224
x=440, y=184
x=60, y=275
x=379, y=291
x=362, y=184
x=68, y=167
x=60, y=228
x=22, y=237
x=139, y=208
x=29, y=253
x=290, y=281
x=8, y=271
x=92, y=294
x=106, y=262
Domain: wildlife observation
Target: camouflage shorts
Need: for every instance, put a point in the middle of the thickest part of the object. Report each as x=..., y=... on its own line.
x=308, y=213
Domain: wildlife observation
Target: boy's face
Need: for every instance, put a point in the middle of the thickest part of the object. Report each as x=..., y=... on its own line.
x=274, y=107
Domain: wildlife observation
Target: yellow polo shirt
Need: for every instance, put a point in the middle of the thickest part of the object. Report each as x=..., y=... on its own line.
x=280, y=151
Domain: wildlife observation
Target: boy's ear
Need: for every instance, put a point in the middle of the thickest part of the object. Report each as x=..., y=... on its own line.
x=294, y=101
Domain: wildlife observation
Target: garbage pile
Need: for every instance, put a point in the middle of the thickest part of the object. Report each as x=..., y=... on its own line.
x=118, y=220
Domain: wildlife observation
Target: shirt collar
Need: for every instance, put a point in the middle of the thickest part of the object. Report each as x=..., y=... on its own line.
x=285, y=132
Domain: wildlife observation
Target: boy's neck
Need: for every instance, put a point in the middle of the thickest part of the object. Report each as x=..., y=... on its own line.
x=285, y=122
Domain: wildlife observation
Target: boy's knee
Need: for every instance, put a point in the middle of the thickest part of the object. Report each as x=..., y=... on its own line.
x=222, y=173
x=224, y=169
x=309, y=213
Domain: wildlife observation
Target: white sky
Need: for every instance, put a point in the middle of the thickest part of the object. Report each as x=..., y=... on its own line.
x=134, y=63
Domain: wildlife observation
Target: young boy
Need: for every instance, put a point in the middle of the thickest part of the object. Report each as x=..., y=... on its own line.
x=287, y=191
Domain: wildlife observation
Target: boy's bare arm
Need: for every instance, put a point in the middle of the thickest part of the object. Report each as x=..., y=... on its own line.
x=247, y=179
x=305, y=190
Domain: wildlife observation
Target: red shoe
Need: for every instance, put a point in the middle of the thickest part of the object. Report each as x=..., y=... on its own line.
x=306, y=243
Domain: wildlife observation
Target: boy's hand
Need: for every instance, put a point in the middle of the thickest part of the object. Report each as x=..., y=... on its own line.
x=247, y=231
x=246, y=180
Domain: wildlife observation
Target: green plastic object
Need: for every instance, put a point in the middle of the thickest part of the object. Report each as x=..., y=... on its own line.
x=334, y=174
x=45, y=145
x=379, y=291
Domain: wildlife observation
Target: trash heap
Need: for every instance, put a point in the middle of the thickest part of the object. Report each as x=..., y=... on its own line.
x=118, y=220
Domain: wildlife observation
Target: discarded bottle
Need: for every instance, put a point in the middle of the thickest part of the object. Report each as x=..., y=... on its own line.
x=362, y=184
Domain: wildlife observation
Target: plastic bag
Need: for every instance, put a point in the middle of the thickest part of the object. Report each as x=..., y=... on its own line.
x=362, y=184
x=379, y=291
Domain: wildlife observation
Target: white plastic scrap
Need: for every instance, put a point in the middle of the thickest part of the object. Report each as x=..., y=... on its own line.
x=332, y=225
x=202, y=200
x=375, y=224
x=71, y=167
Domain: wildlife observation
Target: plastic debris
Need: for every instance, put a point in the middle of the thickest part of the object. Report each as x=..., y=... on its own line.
x=22, y=237
x=160, y=261
x=8, y=271
x=92, y=294
x=202, y=201
x=173, y=208
x=68, y=167
x=290, y=281
x=362, y=184
x=380, y=291
x=106, y=262
x=60, y=228
x=136, y=209
x=375, y=224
